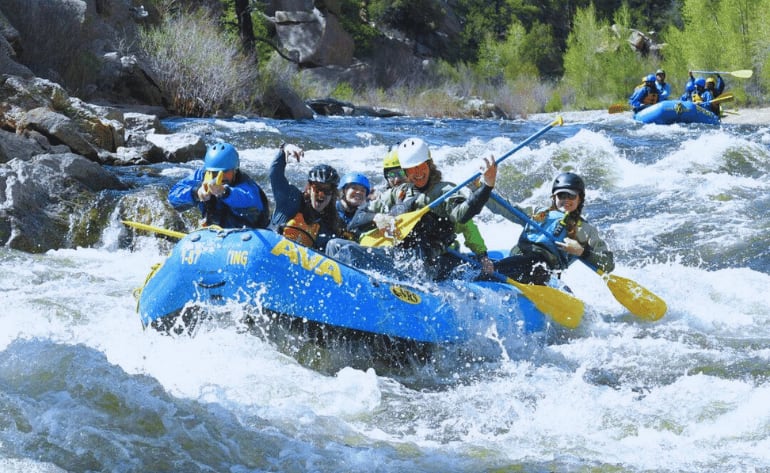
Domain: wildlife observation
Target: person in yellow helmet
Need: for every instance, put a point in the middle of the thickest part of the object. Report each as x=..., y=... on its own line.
x=425, y=248
x=395, y=176
x=713, y=89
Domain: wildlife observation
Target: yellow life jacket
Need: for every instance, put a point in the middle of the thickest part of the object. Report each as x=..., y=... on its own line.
x=296, y=229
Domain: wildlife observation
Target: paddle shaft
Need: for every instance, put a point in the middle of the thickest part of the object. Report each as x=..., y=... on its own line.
x=150, y=228
x=722, y=98
x=559, y=121
x=410, y=219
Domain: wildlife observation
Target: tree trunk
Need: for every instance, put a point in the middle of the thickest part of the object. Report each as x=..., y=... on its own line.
x=245, y=28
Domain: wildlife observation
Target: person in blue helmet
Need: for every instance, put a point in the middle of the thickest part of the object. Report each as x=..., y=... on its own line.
x=664, y=88
x=536, y=257
x=225, y=195
x=644, y=95
x=712, y=88
x=307, y=216
x=354, y=191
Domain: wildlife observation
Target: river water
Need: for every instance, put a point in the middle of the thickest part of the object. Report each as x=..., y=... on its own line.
x=685, y=208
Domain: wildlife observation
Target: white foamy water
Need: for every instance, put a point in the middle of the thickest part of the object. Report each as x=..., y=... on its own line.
x=84, y=388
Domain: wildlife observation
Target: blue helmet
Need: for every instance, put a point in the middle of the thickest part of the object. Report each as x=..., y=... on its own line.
x=700, y=82
x=221, y=157
x=355, y=178
x=650, y=78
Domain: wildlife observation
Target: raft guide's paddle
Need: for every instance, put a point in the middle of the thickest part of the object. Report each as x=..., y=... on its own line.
x=638, y=300
x=406, y=222
x=563, y=308
x=741, y=74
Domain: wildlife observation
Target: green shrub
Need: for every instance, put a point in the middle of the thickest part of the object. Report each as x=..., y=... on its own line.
x=343, y=91
x=554, y=103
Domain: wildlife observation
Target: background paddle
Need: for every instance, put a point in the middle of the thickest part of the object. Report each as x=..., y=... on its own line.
x=150, y=228
x=722, y=98
x=638, y=300
x=619, y=108
x=563, y=308
x=742, y=73
x=406, y=222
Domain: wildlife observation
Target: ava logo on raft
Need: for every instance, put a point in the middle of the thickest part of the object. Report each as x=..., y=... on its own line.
x=308, y=260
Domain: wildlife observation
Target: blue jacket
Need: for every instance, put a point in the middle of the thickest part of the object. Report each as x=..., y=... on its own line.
x=244, y=204
x=664, y=90
x=642, y=97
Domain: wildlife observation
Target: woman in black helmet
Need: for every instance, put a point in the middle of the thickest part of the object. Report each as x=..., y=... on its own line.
x=536, y=256
x=307, y=216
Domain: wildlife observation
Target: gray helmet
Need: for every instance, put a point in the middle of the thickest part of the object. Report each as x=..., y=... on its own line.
x=324, y=174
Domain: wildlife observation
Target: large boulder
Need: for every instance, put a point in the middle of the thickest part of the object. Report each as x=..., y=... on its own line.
x=314, y=38
x=43, y=107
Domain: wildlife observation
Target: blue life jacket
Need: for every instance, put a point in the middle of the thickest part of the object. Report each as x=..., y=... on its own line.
x=532, y=238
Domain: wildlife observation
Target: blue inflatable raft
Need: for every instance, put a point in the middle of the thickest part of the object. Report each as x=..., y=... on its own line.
x=668, y=112
x=262, y=270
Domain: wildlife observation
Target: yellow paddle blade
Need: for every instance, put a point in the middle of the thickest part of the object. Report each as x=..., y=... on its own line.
x=638, y=300
x=563, y=308
x=723, y=98
x=405, y=223
x=619, y=108
x=150, y=228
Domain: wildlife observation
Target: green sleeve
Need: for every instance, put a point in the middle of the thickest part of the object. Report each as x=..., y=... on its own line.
x=472, y=236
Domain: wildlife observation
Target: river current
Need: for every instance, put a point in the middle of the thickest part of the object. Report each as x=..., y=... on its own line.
x=684, y=207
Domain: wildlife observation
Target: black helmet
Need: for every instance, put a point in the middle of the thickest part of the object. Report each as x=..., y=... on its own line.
x=569, y=181
x=324, y=174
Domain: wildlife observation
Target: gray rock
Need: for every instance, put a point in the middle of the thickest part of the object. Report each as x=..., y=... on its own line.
x=46, y=202
x=177, y=148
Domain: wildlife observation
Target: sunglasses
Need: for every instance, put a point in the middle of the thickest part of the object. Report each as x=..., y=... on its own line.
x=394, y=173
x=324, y=188
x=565, y=196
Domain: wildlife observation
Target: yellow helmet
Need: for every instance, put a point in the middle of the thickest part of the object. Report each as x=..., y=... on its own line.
x=711, y=80
x=391, y=159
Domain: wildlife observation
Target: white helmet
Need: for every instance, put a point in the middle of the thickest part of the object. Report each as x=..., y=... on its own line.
x=412, y=152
